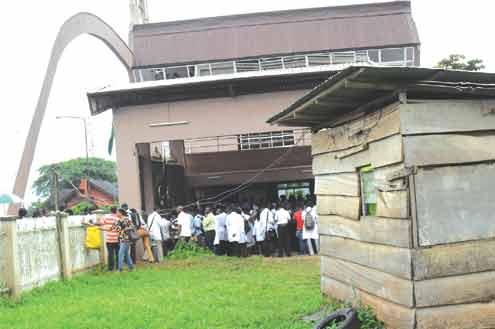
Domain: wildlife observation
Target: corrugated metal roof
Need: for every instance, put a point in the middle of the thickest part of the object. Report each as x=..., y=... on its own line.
x=275, y=33
x=369, y=87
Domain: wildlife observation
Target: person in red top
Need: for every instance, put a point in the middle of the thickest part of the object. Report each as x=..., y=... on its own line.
x=299, y=229
x=111, y=238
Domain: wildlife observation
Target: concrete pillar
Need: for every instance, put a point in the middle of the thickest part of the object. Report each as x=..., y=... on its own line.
x=12, y=275
x=63, y=243
x=103, y=250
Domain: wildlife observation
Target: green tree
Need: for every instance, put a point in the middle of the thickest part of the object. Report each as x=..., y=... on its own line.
x=71, y=172
x=458, y=62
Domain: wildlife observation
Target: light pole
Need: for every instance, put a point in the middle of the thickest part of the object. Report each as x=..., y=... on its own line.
x=85, y=122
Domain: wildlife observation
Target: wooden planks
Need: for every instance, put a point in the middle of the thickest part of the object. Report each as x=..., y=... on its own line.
x=468, y=316
x=430, y=150
x=455, y=204
x=339, y=226
x=448, y=260
x=372, y=127
x=447, y=116
x=338, y=205
x=469, y=288
x=372, y=281
x=337, y=184
x=380, y=153
x=392, y=204
x=392, y=260
x=394, y=316
x=393, y=232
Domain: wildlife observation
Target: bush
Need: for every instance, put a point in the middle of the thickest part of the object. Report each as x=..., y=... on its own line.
x=185, y=250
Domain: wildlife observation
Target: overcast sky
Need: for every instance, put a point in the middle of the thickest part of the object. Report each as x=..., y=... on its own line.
x=29, y=28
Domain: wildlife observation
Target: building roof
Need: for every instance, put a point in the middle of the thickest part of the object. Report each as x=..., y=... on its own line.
x=106, y=187
x=274, y=33
x=366, y=88
x=223, y=85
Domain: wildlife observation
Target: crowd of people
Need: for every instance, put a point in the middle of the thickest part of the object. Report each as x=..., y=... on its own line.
x=269, y=229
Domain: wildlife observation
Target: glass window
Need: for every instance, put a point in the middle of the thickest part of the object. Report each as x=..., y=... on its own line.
x=204, y=69
x=410, y=53
x=318, y=59
x=158, y=74
x=294, y=190
x=368, y=191
x=248, y=65
x=393, y=55
x=177, y=72
x=266, y=140
x=294, y=61
x=272, y=63
x=222, y=68
x=373, y=55
x=343, y=58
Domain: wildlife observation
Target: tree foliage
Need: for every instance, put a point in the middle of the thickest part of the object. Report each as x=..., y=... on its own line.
x=73, y=171
x=458, y=62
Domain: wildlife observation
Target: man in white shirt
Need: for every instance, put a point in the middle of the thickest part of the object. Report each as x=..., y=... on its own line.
x=268, y=222
x=235, y=229
x=185, y=221
x=154, y=223
x=310, y=228
x=220, y=232
x=282, y=218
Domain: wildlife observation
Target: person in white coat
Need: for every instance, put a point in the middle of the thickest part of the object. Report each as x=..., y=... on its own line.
x=268, y=222
x=259, y=231
x=282, y=218
x=310, y=228
x=185, y=220
x=221, y=237
x=235, y=229
x=154, y=223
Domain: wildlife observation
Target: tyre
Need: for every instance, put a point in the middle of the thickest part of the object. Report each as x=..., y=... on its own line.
x=346, y=319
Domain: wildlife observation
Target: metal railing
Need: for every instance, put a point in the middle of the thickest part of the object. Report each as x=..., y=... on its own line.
x=378, y=56
x=245, y=142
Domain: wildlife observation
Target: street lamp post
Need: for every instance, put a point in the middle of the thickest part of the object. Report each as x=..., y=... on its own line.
x=84, y=120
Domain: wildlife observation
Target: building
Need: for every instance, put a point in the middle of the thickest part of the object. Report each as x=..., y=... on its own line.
x=192, y=125
x=404, y=184
x=100, y=192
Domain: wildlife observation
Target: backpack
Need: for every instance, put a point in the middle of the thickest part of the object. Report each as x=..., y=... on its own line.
x=309, y=221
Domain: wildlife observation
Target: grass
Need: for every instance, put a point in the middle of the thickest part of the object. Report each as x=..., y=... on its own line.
x=198, y=292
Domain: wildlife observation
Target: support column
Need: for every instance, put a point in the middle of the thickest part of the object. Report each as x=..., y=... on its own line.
x=63, y=245
x=12, y=273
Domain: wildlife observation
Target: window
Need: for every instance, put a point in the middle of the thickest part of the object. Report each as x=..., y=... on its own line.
x=318, y=59
x=272, y=63
x=204, y=70
x=248, y=65
x=393, y=55
x=177, y=72
x=368, y=191
x=222, y=68
x=293, y=190
x=373, y=55
x=266, y=140
x=294, y=61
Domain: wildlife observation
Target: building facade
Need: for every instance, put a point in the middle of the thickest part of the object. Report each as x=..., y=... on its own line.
x=193, y=123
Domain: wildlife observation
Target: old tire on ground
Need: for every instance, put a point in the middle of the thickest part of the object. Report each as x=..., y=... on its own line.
x=346, y=318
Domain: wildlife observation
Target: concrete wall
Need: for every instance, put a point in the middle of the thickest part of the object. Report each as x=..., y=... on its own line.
x=206, y=117
x=427, y=259
x=37, y=258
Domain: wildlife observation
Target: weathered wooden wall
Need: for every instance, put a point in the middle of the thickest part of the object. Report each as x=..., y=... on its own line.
x=451, y=145
x=427, y=259
x=365, y=258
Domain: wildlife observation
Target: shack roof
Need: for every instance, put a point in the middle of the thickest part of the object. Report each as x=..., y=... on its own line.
x=366, y=88
x=274, y=33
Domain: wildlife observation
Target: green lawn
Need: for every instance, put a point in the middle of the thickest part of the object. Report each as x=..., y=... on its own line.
x=203, y=292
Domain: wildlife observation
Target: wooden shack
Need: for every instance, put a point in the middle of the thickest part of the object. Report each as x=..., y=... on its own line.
x=404, y=165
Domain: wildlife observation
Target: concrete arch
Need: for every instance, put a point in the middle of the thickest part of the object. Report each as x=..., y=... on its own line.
x=81, y=23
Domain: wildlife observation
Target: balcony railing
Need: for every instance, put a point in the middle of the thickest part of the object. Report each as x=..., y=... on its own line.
x=386, y=56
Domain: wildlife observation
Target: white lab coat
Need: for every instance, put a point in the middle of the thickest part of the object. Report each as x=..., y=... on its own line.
x=268, y=219
x=235, y=227
x=310, y=234
x=220, y=229
x=282, y=216
x=185, y=221
x=154, y=223
x=259, y=230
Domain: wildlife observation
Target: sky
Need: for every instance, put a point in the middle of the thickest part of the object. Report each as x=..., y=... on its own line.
x=28, y=30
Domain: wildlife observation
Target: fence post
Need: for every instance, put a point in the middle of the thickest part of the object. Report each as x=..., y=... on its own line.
x=12, y=275
x=103, y=250
x=64, y=245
